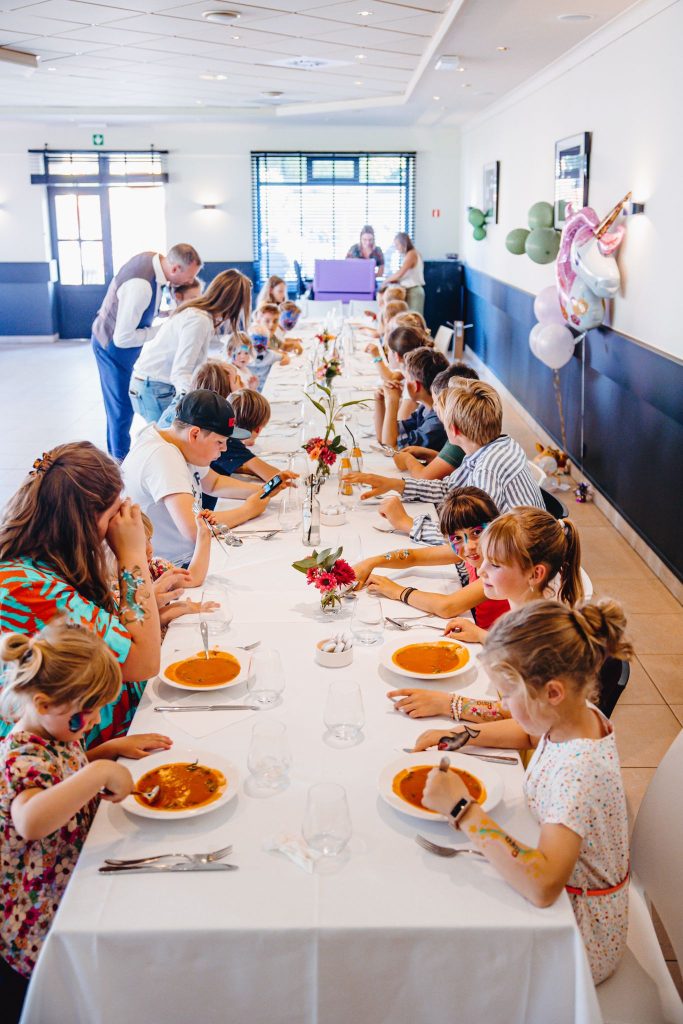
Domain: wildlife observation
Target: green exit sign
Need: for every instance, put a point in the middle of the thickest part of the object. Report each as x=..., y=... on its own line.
x=98, y=139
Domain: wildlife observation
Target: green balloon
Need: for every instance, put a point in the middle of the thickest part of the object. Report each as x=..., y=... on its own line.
x=542, y=245
x=540, y=216
x=476, y=218
x=515, y=241
x=479, y=233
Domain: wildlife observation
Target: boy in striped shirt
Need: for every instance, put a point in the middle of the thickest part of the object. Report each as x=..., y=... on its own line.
x=494, y=462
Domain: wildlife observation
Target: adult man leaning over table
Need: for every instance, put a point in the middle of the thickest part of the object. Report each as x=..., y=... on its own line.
x=167, y=469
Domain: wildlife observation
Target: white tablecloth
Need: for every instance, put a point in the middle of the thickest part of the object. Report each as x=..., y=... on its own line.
x=390, y=934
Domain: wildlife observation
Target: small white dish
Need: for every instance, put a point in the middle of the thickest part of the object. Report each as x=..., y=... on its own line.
x=187, y=755
x=487, y=774
x=329, y=659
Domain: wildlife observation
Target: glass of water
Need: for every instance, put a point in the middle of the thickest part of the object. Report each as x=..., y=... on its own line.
x=289, y=514
x=344, y=715
x=267, y=679
x=327, y=823
x=218, y=620
x=269, y=759
x=367, y=623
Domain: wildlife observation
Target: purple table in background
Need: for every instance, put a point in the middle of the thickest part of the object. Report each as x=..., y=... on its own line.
x=344, y=279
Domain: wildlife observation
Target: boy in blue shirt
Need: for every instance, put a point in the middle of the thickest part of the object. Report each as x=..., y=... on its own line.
x=423, y=428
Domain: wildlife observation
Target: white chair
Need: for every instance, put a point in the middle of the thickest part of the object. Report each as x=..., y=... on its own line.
x=536, y=472
x=442, y=339
x=587, y=584
x=358, y=306
x=317, y=310
x=641, y=990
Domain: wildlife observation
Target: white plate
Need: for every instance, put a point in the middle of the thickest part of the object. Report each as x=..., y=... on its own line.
x=172, y=756
x=388, y=662
x=170, y=657
x=488, y=774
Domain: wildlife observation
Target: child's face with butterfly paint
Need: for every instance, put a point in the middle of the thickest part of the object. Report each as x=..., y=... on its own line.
x=65, y=722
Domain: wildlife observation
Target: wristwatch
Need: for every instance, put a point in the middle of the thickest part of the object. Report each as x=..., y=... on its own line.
x=458, y=810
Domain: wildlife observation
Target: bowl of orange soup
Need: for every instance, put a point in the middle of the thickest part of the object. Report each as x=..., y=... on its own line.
x=437, y=659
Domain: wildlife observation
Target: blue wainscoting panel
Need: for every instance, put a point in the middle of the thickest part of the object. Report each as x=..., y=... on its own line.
x=26, y=299
x=213, y=267
x=633, y=423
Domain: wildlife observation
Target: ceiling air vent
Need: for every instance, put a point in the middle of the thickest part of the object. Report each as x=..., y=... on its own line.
x=307, y=63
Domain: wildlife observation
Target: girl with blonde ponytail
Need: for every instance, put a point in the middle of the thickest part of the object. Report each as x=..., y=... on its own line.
x=544, y=658
x=54, y=685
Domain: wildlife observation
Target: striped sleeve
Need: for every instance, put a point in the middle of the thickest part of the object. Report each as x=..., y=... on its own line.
x=425, y=490
x=426, y=531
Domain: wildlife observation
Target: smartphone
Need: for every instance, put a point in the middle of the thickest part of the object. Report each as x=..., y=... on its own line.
x=270, y=486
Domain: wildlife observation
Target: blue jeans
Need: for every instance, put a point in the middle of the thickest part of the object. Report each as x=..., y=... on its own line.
x=150, y=397
x=115, y=366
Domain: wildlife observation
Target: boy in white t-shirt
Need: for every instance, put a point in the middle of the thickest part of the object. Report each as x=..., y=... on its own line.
x=167, y=469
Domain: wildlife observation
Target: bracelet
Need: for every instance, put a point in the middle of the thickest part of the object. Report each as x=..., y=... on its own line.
x=406, y=594
x=457, y=701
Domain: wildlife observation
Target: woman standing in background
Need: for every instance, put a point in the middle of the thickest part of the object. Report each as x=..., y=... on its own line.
x=411, y=272
x=367, y=250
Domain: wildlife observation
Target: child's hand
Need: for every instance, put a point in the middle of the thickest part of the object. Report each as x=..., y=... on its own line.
x=370, y=313
x=393, y=510
x=125, y=533
x=285, y=361
x=465, y=629
x=363, y=570
x=174, y=611
x=443, y=790
x=372, y=349
x=404, y=460
x=140, y=745
x=431, y=738
x=421, y=703
x=382, y=585
x=170, y=586
x=118, y=783
x=252, y=382
x=204, y=519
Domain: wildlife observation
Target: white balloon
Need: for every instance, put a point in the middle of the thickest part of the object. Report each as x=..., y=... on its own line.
x=547, y=307
x=533, y=338
x=555, y=345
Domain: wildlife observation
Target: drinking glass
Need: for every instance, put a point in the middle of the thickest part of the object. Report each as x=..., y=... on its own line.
x=327, y=823
x=343, y=714
x=269, y=759
x=367, y=624
x=218, y=620
x=289, y=514
x=267, y=679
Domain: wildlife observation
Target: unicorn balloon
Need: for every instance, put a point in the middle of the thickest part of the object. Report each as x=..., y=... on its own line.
x=587, y=271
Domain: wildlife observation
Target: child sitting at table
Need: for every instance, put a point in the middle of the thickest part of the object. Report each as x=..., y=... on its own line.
x=544, y=659
x=387, y=312
x=265, y=346
x=287, y=320
x=274, y=290
x=400, y=341
x=240, y=353
x=520, y=557
x=55, y=684
x=423, y=427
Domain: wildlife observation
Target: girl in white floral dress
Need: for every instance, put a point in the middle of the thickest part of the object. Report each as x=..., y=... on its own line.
x=545, y=658
x=55, y=684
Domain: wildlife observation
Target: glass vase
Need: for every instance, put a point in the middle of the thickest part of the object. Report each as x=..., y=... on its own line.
x=331, y=602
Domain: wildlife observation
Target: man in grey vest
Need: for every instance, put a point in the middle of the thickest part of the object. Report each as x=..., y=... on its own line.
x=124, y=323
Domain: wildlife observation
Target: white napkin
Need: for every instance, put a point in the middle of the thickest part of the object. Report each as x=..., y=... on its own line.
x=201, y=723
x=296, y=848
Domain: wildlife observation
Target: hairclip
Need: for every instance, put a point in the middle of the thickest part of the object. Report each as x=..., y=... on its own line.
x=42, y=464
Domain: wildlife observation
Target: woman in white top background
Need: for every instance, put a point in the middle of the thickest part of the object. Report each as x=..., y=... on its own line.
x=411, y=272
x=166, y=364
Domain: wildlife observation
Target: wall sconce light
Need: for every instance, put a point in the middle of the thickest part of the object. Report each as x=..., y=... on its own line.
x=631, y=208
x=209, y=206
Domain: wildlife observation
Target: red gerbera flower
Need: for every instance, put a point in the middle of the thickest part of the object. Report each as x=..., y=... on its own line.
x=343, y=572
x=326, y=581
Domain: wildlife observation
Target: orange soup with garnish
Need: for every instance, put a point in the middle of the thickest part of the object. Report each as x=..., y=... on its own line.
x=409, y=785
x=431, y=659
x=216, y=670
x=182, y=786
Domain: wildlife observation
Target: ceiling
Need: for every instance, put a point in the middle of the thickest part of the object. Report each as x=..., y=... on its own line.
x=148, y=60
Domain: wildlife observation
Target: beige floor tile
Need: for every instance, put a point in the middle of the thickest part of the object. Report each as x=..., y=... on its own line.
x=666, y=672
x=586, y=514
x=638, y=596
x=605, y=554
x=636, y=781
x=644, y=733
x=640, y=689
x=656, y=634
x=678, y=711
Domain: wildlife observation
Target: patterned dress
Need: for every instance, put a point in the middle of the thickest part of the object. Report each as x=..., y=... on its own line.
x=34, y=873
x=578, y=784
x=31, y=594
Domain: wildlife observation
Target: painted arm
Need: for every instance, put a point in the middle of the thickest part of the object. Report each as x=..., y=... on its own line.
x=405, y=558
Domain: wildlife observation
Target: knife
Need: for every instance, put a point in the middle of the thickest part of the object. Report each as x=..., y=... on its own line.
x=208, y=707
x=498, y=758
x=154, y=869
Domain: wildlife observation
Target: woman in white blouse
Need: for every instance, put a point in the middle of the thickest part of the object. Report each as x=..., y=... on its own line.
x=410, y=274
x=165, y=366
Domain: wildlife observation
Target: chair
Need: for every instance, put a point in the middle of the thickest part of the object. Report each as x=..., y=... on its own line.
x=613, y=677
x=554, y=505
x=358, y=306
x=641, y=990
x=443, y=338
x=536, y=472
x=318, y=309
x=587, y=584
x=300, y=283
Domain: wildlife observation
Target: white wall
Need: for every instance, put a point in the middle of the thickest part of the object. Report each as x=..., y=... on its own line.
x=211, y=164
x=625, y=86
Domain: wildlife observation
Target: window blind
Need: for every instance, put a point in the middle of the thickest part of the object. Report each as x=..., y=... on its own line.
x=309, y=206
x=80, y=168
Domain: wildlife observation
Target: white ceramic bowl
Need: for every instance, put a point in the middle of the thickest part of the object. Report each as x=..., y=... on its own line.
x=329, y=659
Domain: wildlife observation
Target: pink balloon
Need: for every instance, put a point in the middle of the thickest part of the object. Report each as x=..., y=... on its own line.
x=554, y=345
x=547, y=307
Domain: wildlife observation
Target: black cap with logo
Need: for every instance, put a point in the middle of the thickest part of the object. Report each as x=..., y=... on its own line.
x=208, y=410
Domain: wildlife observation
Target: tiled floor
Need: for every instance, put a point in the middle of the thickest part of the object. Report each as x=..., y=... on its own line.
x=50, y=393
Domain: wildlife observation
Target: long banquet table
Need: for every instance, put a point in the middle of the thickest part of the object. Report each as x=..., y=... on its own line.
x=385, y=933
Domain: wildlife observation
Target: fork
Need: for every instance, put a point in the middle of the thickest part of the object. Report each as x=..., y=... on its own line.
x=193, y=858
x=403, y=626
x=444, y=851
x=412, y=618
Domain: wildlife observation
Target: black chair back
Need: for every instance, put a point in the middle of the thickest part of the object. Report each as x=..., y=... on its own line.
x=300, y=283
x=554, y=505
x=613, y=677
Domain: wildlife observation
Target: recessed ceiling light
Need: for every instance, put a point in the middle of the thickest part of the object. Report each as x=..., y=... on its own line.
x=502, y=49
x=220, y=17
x=465, y=85
x=436, y=97
x=360, y=56
x=209, y=76
x=575, y=17
x=200, y=103
x=273, y=93
x=357, y=83
x=364, y=14
x=52, y=69
x=234, y=37
x=462, y=69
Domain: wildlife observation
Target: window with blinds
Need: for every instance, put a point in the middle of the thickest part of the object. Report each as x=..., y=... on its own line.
x=83, y=168
x=309, y=206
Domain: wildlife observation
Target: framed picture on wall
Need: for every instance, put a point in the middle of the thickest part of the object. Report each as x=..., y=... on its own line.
x=490, y=191
x=572, y=160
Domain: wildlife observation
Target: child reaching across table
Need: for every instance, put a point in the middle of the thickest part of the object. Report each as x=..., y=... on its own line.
x=193, y=576
x=545, y=658
x=55, y=684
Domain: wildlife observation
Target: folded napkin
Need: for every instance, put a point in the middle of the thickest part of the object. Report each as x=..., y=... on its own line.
x=201, y=723
x=296, y=848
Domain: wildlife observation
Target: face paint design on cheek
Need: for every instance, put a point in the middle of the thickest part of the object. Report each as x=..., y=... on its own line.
x=77, y=721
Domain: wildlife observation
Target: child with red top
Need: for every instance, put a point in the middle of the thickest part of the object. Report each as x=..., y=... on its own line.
x=55, y=685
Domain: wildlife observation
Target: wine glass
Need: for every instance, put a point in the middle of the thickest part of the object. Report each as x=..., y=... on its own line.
x=344, y=715
x=367, y=623
x=269, y=758
x=289, y=513
x=267, y=679
x=327, y=823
